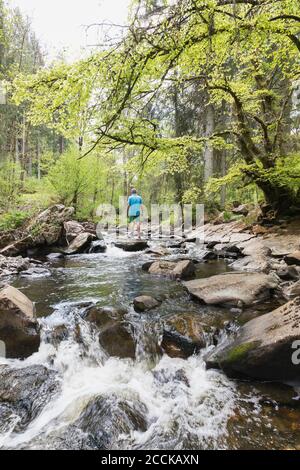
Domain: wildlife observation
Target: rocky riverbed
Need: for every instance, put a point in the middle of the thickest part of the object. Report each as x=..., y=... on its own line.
x=161, y=344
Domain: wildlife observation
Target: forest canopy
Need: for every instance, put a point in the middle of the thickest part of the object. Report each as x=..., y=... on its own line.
x=201, y=95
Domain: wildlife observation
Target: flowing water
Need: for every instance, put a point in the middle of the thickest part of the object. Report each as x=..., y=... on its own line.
x=152, y=402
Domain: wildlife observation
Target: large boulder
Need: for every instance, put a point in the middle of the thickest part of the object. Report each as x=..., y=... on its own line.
x=183, y=336
x=18, y=327
x=175, y=270
x=132, y=245
x=145, y=303
x=233, y=289
x=263, y=348
x=44, y=230
x=47, y=227
x=80, y=244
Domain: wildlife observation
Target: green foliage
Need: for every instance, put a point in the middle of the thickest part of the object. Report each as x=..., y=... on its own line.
x=12, y=220
x=286, y=172
x=10, y=185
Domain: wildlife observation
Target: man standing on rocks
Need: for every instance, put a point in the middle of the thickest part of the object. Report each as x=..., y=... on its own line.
x=135, y=206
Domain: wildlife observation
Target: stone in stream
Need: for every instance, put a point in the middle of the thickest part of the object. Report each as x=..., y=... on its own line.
x=175, y=270
x=11, y=266
x=98, y=246
x=107, y=417
x=79, y=245
x=19, y=329
x=101, y=316
x=36, y=272
x=264, y=348
x=233, y=289
x=145, y=303
x=116, y=335
x=183, y=336
x=25, y=391
x=132, y=245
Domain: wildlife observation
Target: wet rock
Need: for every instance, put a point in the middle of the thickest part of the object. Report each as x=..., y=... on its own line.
x=79, y=245
x=72, y=229
x=18, y=327
x=132, y=245
x=183, y=336
x=106, y=418
x=98, y=246
x=233, y=289
x=57, y=335
x=175, y=270
x=176, y=245
x=207, y=255
x=263, y=348
x=145, y=303
x=102, y=316
x=118, y=340
x=25, y=391
x=116, y=336
x=293, y=258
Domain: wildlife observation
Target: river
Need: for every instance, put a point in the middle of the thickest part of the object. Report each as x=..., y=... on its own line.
x=177, y=403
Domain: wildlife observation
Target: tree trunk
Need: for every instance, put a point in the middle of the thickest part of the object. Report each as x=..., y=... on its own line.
x=209, y=151
x=281, y=199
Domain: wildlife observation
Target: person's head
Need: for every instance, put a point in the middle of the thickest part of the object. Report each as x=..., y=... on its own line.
x=133, y=191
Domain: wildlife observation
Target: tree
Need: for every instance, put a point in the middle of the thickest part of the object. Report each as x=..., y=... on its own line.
x=243, y=54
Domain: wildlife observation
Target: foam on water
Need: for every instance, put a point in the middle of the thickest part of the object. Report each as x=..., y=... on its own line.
x=181, y=397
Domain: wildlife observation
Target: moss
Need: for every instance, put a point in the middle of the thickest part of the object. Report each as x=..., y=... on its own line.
x=239, y=352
